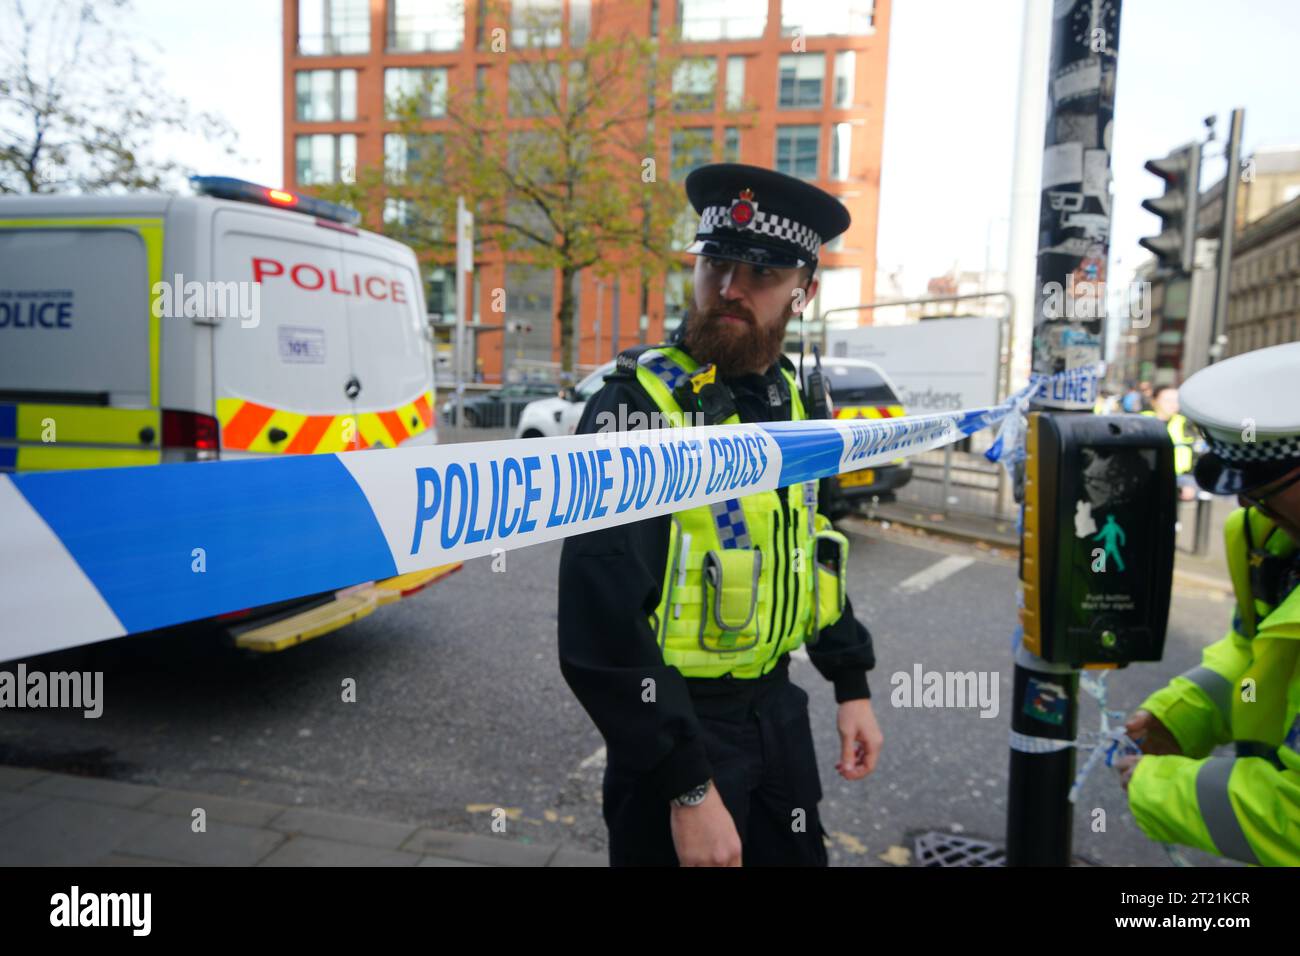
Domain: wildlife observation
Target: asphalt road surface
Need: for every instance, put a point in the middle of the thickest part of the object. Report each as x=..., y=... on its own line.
x=461, y=710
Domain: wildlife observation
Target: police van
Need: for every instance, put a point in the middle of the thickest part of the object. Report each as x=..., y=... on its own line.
x=240, y=321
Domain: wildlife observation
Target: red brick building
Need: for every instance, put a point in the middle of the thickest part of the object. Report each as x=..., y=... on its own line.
x=788, y=84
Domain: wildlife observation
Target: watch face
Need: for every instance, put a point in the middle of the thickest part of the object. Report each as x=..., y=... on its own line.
x=694, y=796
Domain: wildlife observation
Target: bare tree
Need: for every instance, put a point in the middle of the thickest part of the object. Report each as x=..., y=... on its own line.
x=79, y=106
x=572, y=174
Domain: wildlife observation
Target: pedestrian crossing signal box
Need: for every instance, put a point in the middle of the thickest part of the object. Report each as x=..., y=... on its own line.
x=1097, y=555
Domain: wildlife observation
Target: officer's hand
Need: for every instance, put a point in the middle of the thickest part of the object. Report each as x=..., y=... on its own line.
x=860, y=739
x=1151, y=735
x=1126, y=766
x=706, y=835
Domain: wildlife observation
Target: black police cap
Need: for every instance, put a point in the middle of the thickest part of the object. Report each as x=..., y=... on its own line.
x=756, y=215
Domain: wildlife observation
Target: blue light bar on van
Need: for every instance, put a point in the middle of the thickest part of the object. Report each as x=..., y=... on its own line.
x=226, y=187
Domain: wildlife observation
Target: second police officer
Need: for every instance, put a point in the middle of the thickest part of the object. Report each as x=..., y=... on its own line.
x=1246, y=691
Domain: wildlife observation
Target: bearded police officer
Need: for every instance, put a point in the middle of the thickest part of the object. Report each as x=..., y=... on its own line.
x=675, y=632
x=1247, y=690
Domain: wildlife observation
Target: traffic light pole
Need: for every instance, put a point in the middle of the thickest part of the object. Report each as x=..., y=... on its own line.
x=1221, y=283
x=1069, y=313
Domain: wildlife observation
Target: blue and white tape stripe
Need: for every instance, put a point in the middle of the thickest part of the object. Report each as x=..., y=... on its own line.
x=95, y=554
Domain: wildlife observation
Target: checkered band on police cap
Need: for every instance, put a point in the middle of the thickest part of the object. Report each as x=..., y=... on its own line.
x=714, y=218
x=1270, y=449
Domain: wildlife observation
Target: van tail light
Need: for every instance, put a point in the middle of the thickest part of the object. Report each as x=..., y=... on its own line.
x=189, y=436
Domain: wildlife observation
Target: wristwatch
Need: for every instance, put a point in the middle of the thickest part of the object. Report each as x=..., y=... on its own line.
x=694, y=796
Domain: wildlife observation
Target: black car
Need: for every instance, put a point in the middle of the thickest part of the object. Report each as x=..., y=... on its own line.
x=500, y=408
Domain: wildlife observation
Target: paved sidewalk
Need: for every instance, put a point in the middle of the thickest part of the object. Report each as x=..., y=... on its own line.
x=54, y=819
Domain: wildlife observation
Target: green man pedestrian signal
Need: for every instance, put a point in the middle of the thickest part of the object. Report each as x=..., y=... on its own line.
x=1109, y=533
x=1181, y=173
x=1097, y=560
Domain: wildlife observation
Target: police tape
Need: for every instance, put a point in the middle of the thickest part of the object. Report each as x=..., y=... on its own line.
x=95, y=554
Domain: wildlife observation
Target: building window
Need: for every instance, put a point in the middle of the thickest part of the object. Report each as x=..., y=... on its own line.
x=406, y=220
x=441, y=292
x=534, y=88
x=842, y=18
x=326, y=158
x=721, y=19
x=579, y=22
x=326, y=95
x=841, y=136
x=425, y=25
x=533, y=226
x=536, y=23
x=411, y=158
x=428, y=87
x=531, y=157
x=846, y=62
x=731, y=145
x=327, y=27
x=735, y=83
x=694, y=83
x=690, y=148
x=796, y=150
x=801, y=80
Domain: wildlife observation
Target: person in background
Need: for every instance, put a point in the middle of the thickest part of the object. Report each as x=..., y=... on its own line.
x=1165, y=408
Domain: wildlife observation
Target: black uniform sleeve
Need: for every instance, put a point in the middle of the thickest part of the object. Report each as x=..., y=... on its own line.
x=843, y=656
x=610, y=583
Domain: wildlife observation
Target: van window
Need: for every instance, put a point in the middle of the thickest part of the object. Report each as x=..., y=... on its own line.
x=857, y=385
x=74, y=314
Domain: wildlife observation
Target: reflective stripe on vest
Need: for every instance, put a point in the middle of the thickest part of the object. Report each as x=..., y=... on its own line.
x=1216, y=688
x=1216, y=809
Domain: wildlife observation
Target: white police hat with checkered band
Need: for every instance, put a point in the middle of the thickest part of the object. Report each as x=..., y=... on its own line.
x=756, y=215
x=1248, y=408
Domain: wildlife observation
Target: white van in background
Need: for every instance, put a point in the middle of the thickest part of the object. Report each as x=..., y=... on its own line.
x=236, y=322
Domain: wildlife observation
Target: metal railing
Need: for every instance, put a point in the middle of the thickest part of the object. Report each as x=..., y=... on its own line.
x=949, y=481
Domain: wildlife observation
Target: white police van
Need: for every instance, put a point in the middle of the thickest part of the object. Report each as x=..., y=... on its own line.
x=240, y=321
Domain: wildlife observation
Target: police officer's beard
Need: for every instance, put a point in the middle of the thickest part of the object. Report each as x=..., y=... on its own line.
x=734, y=349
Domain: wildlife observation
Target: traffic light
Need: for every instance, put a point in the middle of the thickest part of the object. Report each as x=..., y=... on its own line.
x=1181, y=172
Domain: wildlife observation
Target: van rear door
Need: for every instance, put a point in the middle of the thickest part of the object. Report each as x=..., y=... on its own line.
x=284, y=384
x=77, y=379
x=391, y=354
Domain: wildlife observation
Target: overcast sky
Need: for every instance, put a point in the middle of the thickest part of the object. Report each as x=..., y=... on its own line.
x=949, y=116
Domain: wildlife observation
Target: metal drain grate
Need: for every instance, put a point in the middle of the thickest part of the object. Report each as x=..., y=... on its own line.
x=936, y=848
